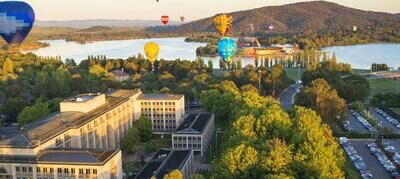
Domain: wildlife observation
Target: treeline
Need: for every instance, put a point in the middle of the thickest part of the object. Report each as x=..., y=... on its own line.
x=25, y=78
x=379, y=67
x=261, y=140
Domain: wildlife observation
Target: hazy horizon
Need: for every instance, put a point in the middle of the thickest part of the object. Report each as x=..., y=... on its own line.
x=61, y=10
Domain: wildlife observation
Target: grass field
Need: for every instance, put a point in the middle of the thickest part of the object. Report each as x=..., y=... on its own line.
x=396, y=110
x=383, y=86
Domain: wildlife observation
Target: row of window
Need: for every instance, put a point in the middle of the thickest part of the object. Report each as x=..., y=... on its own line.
x=189, y=145
x=158, y=109
x=157, y=103
x=162, y=127
x=166, y=121
x=188, y=138
x=160, y=115
x=64, y=170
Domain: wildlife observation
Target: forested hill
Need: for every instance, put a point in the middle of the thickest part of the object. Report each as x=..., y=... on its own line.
x=304, y=17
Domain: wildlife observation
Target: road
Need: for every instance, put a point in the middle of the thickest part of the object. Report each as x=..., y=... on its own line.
x=370, y=160
x=287, y=96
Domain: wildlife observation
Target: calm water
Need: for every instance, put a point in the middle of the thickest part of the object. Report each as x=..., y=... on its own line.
x=362, y=56
x=359, y=56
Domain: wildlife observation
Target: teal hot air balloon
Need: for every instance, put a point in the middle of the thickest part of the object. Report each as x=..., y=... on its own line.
x=226, y=48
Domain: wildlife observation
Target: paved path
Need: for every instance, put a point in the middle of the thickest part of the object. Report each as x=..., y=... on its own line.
x=287, y=97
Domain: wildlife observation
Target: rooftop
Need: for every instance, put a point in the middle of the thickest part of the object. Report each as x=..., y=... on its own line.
x=43, y=130
x=82, y=97
x=69, y=156
x=160, y=97
x=164, y=161
x=119, y=73
x=195, y=123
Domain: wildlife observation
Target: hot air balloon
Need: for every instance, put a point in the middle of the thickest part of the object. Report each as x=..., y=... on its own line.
x=223, y=23
x=165, y=19
x=226, y=48
x=251, y=27
x=151, y=50
x=270, y=27
x=16, y=21
x=182, y=18
x=354, y=28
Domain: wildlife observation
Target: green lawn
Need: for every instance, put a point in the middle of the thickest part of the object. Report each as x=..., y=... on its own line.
x=293, y=73
x=383, y=86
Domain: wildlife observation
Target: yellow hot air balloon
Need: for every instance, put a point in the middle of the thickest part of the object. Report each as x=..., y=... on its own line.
x=223, y=23
x=151, y=50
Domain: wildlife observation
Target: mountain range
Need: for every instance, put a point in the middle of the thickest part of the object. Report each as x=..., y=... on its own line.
x=304, y=17
x=100, y=22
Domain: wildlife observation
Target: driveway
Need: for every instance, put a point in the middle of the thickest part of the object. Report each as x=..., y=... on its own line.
x=287, y=97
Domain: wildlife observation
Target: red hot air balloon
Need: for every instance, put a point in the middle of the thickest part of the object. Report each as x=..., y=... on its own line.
x=164, y=19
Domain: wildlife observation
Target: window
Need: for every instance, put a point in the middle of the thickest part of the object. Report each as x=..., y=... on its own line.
x=23, y=169
x=59, y=170
x=66, y=136
x=95, y=171
x=30, y=169
x=66, y=170
x=38, y=169
x=17, y=169
x=44, y=170
x=87, y=171
x=73, y=170
x=51, y=170
x=80, y=171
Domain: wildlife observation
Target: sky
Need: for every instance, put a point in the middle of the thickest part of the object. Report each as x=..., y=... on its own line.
x=191, y=9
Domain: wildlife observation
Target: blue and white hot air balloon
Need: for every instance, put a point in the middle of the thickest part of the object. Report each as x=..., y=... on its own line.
x=16, y=21
x=226, y=48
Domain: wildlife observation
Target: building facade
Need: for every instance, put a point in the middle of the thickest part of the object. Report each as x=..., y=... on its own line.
x=87, y=122
x=195, y=133
x=165, y=111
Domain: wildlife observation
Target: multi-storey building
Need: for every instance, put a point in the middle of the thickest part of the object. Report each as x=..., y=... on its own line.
x=194, y=133
x=88, y=123
x=166, y=160
x=165, y=111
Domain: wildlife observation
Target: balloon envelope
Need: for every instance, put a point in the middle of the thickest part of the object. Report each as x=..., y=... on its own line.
x=226, y=48
x=223, y=23
x=165, y=19
x=151, y=49
x=16, y=21
x=182, y=18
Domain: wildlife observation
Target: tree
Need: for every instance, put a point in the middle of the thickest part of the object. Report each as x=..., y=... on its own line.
x=320, y=97
x=145, y=128
x=131, y=140
x=33, y=113
x=14, y=106
x=174, y=174
x=238, y=161
x=8, y=67
x=167, y=80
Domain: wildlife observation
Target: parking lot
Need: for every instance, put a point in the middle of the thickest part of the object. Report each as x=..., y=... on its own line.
x=385, y=122
x=356, y=125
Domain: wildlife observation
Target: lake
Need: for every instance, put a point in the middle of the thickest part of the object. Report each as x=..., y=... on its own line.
x=362, y=56
x=359, y=56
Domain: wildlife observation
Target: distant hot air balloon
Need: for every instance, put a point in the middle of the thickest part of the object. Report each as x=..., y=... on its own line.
x=151, y=49
x=226, y=48
x=270, y=27
x=16, y=21
x=182, y=18
x=354, y=28
x=223, y=23
x=251, y=27
x=165, y=19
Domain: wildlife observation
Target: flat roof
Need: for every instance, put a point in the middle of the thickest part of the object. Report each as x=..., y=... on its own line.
x=160, y=97
x=82, y=97
x=57, y=123
x=164, y=161
x=63, y=156
x=195, y=123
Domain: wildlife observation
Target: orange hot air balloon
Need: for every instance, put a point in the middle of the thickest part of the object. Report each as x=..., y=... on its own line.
x=223, y=23
x=151, y=49
x=164, y=19
x=182, y=18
